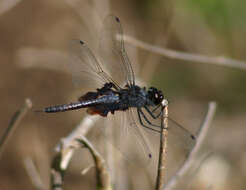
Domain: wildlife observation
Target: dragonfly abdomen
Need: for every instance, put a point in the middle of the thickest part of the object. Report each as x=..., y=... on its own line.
x=83, y=104
x=65, y=107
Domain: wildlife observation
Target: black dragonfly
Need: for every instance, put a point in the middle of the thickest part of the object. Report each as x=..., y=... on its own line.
x=118, y=91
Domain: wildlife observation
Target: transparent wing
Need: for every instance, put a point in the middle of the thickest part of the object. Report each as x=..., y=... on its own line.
x=180, y=143
x=179, y=140
x=126, y=136
x=136, y=138
x=85, y=68
x=113, y=53
x=135, y=143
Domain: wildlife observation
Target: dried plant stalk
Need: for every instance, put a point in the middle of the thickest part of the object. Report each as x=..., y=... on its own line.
x=103, y=177
x=160, y=180
x=15, y=120
x=33, y=174
x=63, y=157
x=178, y=55
x=191, y=158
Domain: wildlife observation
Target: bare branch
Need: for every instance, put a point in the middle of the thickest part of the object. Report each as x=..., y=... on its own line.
x=103, y=177
x=15, y=120
x=65, y=150
x=87, y=169
x=81, y=130
x=57, y=172
x=191, y=158
x=178, y=55
x=160, y=180
x=33, y=174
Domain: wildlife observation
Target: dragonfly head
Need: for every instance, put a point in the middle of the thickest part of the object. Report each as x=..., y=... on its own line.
x=155, y=95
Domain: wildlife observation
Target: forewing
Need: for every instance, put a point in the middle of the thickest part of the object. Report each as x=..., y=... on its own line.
x=113, y=53
x=85, y=67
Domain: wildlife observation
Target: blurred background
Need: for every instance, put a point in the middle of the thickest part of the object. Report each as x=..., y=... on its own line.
x=34, y=38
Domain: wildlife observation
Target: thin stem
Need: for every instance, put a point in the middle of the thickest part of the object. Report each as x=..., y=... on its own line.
x=33, y=174
x=103, y=177
x=57, y=172
x=65, y=150
x=14, y=122
x=191, y=158
x=160, y=180
x=178, y=55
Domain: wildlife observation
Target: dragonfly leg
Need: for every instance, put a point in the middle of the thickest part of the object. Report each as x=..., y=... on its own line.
x=147, y=120
x=141, y=121
x=156, y=108
x=151, y=114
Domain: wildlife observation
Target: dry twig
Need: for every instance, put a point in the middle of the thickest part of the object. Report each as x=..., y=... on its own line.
x=65, y=150
x=15, y=120
x=173, y=54
x=103, y=177
x=160, y=180
x=191, y=158
x=33, y=174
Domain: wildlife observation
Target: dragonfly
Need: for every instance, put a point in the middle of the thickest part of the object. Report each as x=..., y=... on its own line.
x=118, y=92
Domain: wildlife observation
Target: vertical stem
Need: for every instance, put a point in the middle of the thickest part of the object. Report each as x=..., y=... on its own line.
x=160, y=181
x=103, y=177
x=15, y=120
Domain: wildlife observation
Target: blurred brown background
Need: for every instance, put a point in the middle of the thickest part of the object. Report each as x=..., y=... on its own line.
x=34, y=37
